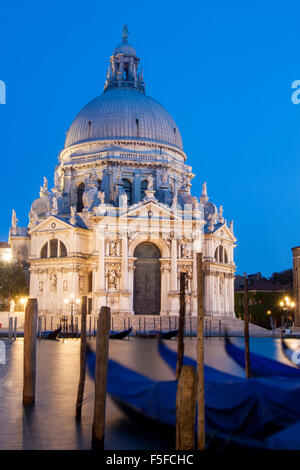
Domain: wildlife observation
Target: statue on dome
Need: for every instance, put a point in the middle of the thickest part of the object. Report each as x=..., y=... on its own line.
x=101, y=196
x=44, y=189
x=220, y=215
x=150, y=183
x=73, y=215
x=174, y=203
x=14, y=223
x=33, y=219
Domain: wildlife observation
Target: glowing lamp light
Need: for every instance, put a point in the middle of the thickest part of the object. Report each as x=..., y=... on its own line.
x=281, y=304
x=7, y=257
x=269, y=312
x=77, y=301
x=66, y=301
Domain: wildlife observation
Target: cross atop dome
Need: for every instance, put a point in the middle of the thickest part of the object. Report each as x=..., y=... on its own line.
x=125, y=34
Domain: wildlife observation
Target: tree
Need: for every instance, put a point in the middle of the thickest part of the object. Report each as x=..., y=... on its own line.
x=283, y=277
x=13, y=280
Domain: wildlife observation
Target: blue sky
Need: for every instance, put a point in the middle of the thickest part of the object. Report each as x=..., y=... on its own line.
x=223, y=69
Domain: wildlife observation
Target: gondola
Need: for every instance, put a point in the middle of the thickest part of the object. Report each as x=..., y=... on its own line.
x=52, y=335
x=291, y=354
x=112, y=335
x=156, y=334
x=238, y=412
x=260, y=366
x=120, y=334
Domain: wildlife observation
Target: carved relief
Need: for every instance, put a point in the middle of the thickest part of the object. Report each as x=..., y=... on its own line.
x=53, y=282
x=112, y=273
x=81, y=283
x=41, y=285
x=113, y=246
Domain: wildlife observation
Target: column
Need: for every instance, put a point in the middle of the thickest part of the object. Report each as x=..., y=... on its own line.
x=174, y=286
x=124, y=242
x=136, y=189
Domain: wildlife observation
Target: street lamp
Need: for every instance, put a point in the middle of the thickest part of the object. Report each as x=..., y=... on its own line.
x=23, y=301
x=73, y=304
x=285, y=305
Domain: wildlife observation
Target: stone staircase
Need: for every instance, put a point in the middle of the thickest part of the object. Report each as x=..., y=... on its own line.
x=213, y=326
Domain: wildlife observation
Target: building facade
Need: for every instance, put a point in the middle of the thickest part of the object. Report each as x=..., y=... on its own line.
x=121, y=223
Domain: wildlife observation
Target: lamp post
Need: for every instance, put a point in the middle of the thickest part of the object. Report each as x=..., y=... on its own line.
x=285, y=305
x=73, y=304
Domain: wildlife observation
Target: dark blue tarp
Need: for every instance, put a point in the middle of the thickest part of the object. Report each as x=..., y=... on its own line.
x=260, y=366
x=267, y=400
x=233, y=405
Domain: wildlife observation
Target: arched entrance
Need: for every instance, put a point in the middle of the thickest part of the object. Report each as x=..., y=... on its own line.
x=146, y=292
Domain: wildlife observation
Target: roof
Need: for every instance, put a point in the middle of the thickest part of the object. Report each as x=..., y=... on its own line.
x=122, y=113
x=4, y=245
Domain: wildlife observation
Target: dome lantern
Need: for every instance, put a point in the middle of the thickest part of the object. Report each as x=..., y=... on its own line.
x=123, y=68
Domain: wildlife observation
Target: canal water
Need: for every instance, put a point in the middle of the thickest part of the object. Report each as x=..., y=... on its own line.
x=51, y=423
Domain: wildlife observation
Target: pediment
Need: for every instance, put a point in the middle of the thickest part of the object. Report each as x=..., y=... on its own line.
x=224, y=232
x=157, y=209
x=52, y=223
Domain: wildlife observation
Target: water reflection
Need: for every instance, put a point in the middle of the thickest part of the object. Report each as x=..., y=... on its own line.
x=51, y=423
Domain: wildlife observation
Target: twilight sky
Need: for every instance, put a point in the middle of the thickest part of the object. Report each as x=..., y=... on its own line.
x=223, y=69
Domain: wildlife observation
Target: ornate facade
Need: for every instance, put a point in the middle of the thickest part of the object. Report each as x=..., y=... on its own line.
x=120, y=223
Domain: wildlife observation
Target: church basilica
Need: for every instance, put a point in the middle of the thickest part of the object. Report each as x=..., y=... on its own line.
x=121, y=223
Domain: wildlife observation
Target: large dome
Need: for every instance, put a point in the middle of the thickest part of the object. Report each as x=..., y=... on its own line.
x=124, y=113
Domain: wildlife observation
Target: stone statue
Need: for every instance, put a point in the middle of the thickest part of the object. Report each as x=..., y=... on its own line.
x=112, y=279
x=54, y=205
x=150, y=182
x=45, y=185
x=73, y=215
x=73, y=212
x=90, y=194
x=184, y=251
x=112, y=248
x=12, y=306
x=118, y=176
x=164, y=178
x=53, y=282
x=220, y=215
x=65, y=285
x=204, y=189
x=195, y=204
x=44, y=193
x=101, y=196
x=41, y=286
x=174, y=203
x=56, y=178
x=14, y=223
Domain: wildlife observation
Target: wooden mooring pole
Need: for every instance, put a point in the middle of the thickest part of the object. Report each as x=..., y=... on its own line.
x=180, y=340
x=15, y=327
x=102, y=348
x=246, y=327
x=82, y=373
x=200, y=357
x=30, y=326
x=186, y=398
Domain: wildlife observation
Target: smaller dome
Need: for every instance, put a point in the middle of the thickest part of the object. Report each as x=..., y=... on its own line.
x=125, y=49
